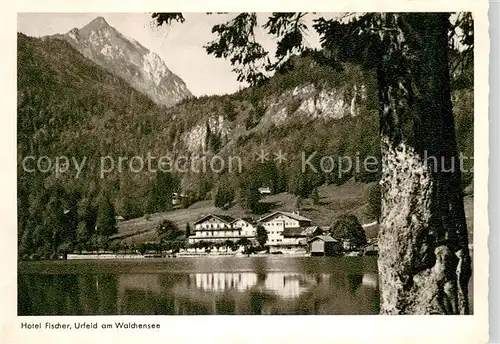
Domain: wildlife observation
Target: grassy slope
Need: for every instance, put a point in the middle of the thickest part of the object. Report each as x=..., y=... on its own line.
x=334, y=201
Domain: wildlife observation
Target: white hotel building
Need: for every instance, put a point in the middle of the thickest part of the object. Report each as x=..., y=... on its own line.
x=284, y=229
x=220, y=228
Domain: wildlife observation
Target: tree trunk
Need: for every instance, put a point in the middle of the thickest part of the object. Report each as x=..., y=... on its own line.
x=424, y=261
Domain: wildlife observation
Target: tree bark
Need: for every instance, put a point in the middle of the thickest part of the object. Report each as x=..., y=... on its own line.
x=424, y=261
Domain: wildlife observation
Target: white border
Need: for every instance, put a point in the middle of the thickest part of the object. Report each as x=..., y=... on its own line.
x=494, y=181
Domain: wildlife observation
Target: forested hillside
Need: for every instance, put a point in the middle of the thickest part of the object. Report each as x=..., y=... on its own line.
x=69, y=106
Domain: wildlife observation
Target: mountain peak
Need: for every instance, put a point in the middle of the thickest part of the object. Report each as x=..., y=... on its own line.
x=98, y=23
x=142, y=69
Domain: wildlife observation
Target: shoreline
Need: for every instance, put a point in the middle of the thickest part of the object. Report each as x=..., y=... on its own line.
x=177, y=255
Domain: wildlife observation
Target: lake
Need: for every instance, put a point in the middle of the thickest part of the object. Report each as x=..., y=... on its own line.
x=181, y=286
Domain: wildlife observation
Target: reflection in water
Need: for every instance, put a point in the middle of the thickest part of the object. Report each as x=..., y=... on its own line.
x=286, y=285
x=370, y=280
x=354, y=282
x=224, y=281
x=298, y=289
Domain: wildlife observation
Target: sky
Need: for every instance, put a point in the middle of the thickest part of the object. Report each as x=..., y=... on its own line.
x=179, y=45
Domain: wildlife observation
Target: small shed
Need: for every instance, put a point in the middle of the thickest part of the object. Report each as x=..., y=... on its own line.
x=324, y=245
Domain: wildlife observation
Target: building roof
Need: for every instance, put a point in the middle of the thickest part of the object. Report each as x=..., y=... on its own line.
x=311, y=229
x=294, y=216
x=224, y=218
x=246, y=219
x=325, y=238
